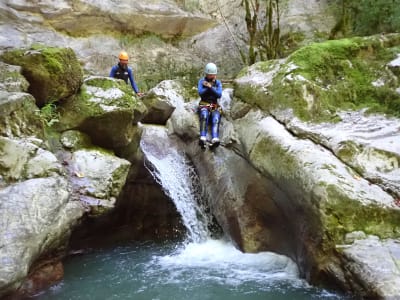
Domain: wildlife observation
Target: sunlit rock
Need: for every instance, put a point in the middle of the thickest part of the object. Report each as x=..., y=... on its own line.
x=374, y=264
x=162, y=100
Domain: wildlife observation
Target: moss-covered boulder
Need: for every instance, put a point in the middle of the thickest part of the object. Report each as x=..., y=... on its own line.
x=318, y=80
x=19, y=115
x=105, y=109
x=74, y=140
x=53, y=73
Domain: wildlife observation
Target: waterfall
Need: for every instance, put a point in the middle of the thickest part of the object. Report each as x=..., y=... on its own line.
x=178, y=178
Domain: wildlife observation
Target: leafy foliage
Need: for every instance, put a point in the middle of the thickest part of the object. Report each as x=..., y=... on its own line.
x=48, y=114
x=366, y=17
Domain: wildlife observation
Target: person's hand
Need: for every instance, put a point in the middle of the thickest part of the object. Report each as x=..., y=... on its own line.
x=140, y=94
x=207, y=84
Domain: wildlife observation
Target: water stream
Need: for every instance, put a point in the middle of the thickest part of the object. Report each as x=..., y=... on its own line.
x=198, y=268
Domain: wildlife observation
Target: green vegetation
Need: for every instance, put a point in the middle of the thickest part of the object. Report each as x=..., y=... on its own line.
x=48, y=115
x=321, y=78
x=366, y=17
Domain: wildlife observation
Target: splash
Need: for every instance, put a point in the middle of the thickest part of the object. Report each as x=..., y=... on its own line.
x=173, y=171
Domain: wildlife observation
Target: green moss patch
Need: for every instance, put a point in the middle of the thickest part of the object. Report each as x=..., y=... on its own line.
x=53, y=73
x=318, y=79
x=343, y=215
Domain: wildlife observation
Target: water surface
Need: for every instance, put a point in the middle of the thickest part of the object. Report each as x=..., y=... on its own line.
x=213, y=270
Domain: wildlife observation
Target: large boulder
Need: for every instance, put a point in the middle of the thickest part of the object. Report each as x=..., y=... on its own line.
x=98, y=178
x=162, y=100
x=97, y=175
x=101, y=102
x=36, y=217
x=53, y=73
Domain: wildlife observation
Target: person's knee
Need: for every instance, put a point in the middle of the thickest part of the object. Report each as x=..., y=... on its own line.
x=203, y=114
x=216, y=118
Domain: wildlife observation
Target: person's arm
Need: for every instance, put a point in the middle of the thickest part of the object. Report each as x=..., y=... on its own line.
x=113, y=70
x=201, y=88
x=217, y=90
x=132, y=80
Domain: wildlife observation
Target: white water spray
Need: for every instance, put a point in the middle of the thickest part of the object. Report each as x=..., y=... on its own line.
x=172, y=170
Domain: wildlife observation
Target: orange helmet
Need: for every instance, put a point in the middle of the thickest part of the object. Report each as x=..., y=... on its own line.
x=123, y=55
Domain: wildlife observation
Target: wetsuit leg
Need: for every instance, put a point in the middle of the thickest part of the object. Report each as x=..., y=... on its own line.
x=215, y=120
x=204, y=115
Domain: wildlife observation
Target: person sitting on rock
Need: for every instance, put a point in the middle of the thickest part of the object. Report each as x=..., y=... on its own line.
x=122, y=71
x=210, y=90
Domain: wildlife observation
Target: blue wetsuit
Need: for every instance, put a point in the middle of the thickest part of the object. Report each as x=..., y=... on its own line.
x=209, y=107
x=118, y=71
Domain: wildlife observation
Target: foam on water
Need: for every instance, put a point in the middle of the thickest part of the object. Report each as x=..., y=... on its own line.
x=221, y=260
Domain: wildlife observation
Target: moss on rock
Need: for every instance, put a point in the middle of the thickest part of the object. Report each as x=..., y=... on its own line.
x=53, y=73
x=105, y=109
x=343, y=215
x=317, y=80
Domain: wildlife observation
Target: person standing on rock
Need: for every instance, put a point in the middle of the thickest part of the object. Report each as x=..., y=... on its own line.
x=122, y=71
x=210, y=90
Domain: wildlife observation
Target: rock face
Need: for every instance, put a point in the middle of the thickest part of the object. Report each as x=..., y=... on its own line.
x=374, y=264
x=44, y=195
x=106, y=27
x=19, y=115
x=164, y=18
x=22, y=159
x=344, y=162
x=25, y=237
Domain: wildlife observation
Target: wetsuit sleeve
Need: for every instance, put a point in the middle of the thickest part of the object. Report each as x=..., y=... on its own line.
x=132, y=80
x=112, y=72
x=217, y=89
x=201, y=88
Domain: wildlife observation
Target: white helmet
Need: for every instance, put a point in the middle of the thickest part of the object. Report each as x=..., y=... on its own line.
x=210, y=69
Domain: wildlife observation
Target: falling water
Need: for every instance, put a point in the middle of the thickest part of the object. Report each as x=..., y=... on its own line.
x=172, y=170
